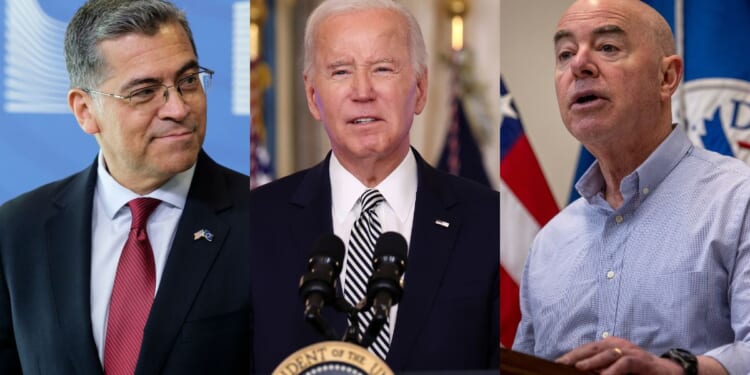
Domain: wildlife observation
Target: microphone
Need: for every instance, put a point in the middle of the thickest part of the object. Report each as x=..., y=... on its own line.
x=385, y=288
x=317, y=286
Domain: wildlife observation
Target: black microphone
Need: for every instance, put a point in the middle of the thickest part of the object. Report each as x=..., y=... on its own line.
x=384, y=288
x=318, y=285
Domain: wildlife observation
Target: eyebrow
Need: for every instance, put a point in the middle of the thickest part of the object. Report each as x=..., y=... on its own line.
x=599, y=31
x=562, y=34
x=192, y=64
x=340, y=63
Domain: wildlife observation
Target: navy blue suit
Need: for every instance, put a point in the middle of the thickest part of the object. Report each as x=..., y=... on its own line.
x=449, y=315
x=200, y=319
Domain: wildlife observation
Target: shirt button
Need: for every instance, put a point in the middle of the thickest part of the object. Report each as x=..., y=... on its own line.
x=605, y=334
x=618, y=219
x=610, y=274
x=646, y=191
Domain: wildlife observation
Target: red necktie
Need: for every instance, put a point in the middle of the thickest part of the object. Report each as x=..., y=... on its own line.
x=132, y=294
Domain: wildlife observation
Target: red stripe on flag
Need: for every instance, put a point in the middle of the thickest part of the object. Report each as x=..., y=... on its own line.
x=510, y=313
x=521, y=172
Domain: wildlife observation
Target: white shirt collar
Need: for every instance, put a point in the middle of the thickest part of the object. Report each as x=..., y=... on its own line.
x=114, y=196
x=399, y=188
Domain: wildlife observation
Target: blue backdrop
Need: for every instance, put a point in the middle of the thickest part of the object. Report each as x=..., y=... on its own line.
x=40, y=140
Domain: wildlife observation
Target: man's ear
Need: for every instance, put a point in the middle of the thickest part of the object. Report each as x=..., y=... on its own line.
x=312, y=97
x=421, y=93
x=671, y=75
x=83, y=107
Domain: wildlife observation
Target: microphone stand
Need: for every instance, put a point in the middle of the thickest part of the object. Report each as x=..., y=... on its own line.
x=351, y=335
x=313, y=316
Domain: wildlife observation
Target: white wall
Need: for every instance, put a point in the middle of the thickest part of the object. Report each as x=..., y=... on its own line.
x=527, y=66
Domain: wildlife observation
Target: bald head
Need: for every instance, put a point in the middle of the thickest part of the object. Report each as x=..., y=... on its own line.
x=634, y=12
x=616, y=71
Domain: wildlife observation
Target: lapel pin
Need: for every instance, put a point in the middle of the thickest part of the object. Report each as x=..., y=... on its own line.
x=203, y=233
x=442, y=223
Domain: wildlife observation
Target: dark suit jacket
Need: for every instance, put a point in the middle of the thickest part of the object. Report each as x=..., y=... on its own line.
x=199, y=322
x=449, y=315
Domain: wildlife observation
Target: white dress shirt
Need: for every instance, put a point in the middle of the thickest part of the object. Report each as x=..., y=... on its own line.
x=396, y=214
x=110, y=224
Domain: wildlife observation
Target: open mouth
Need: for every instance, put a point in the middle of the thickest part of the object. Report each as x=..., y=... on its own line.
x=363, y=120
x=586, y=99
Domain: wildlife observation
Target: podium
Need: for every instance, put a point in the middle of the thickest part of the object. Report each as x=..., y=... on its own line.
x=516, y=363
x=332, y=358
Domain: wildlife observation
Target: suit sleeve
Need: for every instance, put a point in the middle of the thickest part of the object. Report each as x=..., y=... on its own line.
x=9, y=361
x=494, y=359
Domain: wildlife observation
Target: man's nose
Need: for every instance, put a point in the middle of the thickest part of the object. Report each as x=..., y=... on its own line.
x=583, y=64
x=362, y=86
x=175, y=106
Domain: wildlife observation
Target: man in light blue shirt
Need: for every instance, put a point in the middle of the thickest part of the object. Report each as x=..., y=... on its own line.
x=655, y=257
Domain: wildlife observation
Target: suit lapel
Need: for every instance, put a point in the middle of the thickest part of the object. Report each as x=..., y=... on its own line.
x=68, y=234
x=187, y=265
x=313, y=200
x=430, y=249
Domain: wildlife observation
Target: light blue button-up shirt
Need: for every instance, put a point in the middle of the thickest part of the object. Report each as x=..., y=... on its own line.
x=669, y=268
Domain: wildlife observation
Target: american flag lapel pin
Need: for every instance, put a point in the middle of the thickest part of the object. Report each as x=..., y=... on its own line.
x=203, y=233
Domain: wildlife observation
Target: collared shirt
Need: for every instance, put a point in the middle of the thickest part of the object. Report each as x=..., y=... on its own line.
x=396, y=214
x=669, y=268
x=110, y=220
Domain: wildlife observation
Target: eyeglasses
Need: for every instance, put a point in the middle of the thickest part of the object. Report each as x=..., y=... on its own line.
x=188, y=87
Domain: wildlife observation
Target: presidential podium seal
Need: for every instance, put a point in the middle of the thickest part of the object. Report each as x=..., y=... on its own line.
x=332, y=358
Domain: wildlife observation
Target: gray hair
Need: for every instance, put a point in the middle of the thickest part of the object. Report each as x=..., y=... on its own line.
x=331, y=8
x=100, y=20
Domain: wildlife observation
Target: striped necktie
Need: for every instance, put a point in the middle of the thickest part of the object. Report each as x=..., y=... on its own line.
x=365, y=233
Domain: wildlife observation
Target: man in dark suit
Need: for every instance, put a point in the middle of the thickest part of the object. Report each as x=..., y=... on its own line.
x=80, y=293
x=365, y=78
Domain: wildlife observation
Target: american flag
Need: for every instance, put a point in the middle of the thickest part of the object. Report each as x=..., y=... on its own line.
x=526, y=205
x=461, y=155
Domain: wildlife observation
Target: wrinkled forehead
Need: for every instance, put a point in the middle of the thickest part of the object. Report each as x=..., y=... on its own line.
x=376, y=20
x=586, y=19
x=370, y=31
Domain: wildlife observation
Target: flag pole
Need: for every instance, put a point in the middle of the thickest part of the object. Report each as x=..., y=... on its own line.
x=456, y=10
x=260, y=80
x=679, y=31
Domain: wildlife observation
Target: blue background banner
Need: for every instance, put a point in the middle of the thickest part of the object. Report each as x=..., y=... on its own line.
x=715, y=37
x=40, y=139
x=715, y=95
